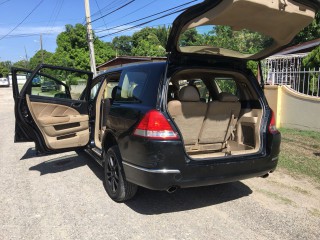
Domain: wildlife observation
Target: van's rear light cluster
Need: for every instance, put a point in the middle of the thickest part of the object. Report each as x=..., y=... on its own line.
x=154, y=125
x=272, y=126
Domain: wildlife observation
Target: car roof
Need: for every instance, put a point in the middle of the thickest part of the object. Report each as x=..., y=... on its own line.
x=159, y=64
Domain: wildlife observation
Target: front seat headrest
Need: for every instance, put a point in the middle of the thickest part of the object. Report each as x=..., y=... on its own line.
x=189, y=94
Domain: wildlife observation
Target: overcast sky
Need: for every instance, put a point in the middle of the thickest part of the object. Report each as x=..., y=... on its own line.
x=50, y=16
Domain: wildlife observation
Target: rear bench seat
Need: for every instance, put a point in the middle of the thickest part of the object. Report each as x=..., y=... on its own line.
x=204, y=127
x=220, y=120
x=188, y=114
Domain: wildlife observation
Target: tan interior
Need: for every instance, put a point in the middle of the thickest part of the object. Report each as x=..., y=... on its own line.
x=97, y=130
x=188, y=113
x=61, y=126
x=278, y=19
x=103, y=107
x=219, y=127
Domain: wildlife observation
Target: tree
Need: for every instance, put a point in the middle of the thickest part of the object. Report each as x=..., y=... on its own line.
x=123, y=45
x=312, y=60
x=42, y=56
x=22, y=64
x=73, y=51
x=310, y=32
x=146, y=43
x=5, y=68
x=190, y=38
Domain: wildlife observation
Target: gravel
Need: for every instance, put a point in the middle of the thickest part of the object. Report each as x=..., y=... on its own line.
x=61, y=196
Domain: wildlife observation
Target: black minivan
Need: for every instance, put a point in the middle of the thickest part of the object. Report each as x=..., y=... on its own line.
x=198, y=118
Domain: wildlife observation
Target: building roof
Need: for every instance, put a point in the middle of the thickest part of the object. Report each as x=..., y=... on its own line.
x=300, y=48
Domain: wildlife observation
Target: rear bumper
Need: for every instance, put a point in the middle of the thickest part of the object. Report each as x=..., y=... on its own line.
x=198, y=175
x=161, y=165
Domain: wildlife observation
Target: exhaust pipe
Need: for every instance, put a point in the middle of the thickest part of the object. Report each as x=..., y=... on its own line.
x=265, y=176
x=172, y=189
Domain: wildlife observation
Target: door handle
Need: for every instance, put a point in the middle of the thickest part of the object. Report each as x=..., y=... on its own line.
x=76, y=104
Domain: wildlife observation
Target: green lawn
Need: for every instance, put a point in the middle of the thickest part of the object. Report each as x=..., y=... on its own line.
x=300, y=152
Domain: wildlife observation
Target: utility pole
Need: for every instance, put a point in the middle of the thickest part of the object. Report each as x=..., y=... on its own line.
x=25, y=51
x=90, y=38
x=41, y=48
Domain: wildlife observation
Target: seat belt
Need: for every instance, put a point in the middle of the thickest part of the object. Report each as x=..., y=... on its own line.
x=230, y=130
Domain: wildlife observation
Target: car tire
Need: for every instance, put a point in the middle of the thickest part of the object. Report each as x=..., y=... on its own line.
x=115, y=183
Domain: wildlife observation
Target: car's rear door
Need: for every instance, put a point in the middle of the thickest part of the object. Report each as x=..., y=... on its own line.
x=55, y=118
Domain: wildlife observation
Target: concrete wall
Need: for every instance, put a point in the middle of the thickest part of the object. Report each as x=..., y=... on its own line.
x=292, y=109
x=271, y=93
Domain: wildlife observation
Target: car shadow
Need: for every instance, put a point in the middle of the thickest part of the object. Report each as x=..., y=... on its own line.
x=150, y=202
x=30, y=153
x=59, y=164
x=64, y=163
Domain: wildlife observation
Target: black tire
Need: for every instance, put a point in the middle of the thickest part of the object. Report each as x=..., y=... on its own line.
x=115, y=183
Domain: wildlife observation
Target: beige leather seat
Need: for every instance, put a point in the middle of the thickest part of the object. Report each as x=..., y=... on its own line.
x=219, y=122
x=188, y=114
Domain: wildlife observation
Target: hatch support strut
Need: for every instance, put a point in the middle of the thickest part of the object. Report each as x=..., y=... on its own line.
x=260, y=75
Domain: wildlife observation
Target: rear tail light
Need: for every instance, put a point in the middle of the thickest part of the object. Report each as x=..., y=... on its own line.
x=272, y=126
x=154, y=125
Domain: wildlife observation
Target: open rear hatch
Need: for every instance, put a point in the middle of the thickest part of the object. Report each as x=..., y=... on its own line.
x=244, y=29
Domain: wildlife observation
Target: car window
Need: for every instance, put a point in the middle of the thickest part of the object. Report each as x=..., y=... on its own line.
x=131, y=86
x=228, y=85
x=57, y=83
x=94, y=88
x=21, y=79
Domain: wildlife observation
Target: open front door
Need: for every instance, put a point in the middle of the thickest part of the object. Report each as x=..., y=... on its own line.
x=51, y=107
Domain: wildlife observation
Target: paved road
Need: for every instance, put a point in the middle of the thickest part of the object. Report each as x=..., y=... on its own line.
x=62, y=197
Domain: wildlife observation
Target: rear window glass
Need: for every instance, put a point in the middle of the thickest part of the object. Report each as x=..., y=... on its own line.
x=131, y=86
x=224, y=41
x=226, y=85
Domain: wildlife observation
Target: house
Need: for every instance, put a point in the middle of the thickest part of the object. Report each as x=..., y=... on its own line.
x=285, y=67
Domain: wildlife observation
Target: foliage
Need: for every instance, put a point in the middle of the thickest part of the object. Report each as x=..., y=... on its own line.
x=5, y=68
x=243, y=41
x=146, y=43
x=123, y=45
x=312, y=60
x=73, y=51
x=22, y=64
x=72, y=81
x=253, y=66
x=227, y=85
x=42, y=56
x=309, y=33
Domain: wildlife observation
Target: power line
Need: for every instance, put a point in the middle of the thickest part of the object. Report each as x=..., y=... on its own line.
x=105, y=8
x=22, y=20
x=25, y=35
x=155, y=14
x=114, y=20
x=55, y=12
x=113, y=11
x=100, y=13
x=4, y=2
x=141, y=24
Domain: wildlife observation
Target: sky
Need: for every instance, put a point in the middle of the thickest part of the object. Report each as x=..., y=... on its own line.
x=23, y=21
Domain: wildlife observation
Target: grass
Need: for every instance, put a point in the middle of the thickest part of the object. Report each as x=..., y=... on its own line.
x=276, y=197
x=300, y=152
